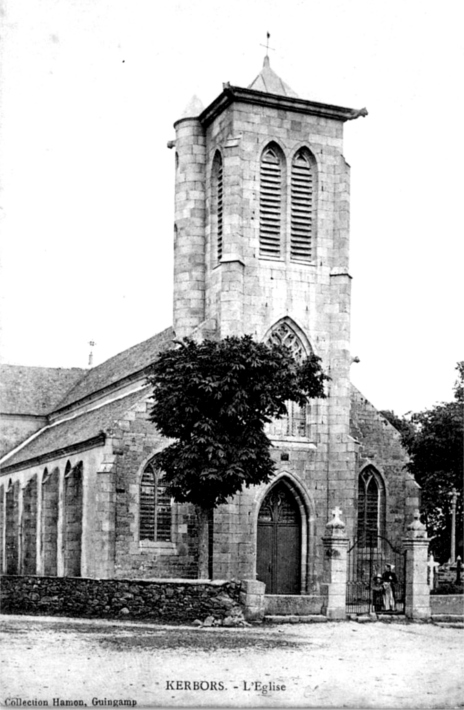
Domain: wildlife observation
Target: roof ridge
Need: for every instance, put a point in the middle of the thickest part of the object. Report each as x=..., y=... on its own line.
x=4, y=460
x=93, y=373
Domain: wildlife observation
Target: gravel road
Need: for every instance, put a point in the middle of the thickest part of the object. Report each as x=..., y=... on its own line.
x=69, y=663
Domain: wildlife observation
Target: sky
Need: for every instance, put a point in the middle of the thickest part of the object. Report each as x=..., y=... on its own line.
x=90, y=90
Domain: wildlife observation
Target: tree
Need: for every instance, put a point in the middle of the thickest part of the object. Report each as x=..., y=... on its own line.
x=434, y=440
x=214, y=399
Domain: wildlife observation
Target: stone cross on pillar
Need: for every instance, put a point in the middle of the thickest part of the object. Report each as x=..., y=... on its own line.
x=335, y=566
x=336, y=524
x=417, y=592
x=336, y=513
x=432, y=567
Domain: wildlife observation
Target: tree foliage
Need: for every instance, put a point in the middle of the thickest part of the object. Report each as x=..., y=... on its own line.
x=434, y=440
x=214, y=399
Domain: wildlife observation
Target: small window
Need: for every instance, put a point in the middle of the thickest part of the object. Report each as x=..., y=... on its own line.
x=301, y=236
x=270, y=204
x=155, y=507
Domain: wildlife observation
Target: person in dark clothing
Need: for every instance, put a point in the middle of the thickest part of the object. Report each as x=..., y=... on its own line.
x=389, y=582
x=377, y=592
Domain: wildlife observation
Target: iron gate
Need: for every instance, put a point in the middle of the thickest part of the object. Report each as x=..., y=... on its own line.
x=368, y=558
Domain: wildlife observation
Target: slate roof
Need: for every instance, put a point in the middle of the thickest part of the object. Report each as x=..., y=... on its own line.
x=35, y=390
x=269, y=82
x=119, y=367
x=76, y=430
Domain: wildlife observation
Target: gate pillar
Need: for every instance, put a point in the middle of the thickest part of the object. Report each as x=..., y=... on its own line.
x=252, y=598
x=335, y=567
x=417, y=591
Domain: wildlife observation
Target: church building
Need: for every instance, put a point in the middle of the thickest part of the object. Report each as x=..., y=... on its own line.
x=261, y=244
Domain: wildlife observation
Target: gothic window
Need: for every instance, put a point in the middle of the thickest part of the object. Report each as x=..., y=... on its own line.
x=284, y=334
x=270, y=204
x=301, y=233
x=371, y=505
x=296, y=422
x=155, y=507
x=218, y=203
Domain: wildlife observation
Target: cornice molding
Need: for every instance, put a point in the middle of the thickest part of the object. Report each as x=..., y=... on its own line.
x=231, y=94
x=95, y=441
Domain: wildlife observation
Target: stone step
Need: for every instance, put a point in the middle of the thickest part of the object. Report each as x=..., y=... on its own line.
x=295, y=619
x=293, y=604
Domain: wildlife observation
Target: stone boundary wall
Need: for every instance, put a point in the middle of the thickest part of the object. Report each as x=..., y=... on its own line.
x=447, y=603
x=165, y=601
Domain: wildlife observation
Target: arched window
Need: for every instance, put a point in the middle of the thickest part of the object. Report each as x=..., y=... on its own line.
x=218, y=203
x=297, y=421
x=283, y=334
x=371, y=507
x=302, y=222
x=270, y=203
x=155, y=507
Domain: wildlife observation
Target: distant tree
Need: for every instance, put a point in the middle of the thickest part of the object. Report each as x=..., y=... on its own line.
x=214, y=399
x=402, y=424
x=434, y=440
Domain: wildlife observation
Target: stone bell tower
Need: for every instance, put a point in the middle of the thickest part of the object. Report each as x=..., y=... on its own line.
x=262, y=218
x=262, y=237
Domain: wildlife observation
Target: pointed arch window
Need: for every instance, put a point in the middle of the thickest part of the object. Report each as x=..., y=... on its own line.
x=371, y=508
x=283, y=334
x=155, y=507
x=301, y=230
x=218, y=203
x=297, y=421
x=270, y=204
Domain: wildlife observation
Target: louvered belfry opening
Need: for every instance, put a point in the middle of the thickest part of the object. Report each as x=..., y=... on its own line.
x=155, y=507
x=270, y=205
x=301, y=236
x=218, y=197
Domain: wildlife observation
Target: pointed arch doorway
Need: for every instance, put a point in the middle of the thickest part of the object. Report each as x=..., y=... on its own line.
x=279, y=542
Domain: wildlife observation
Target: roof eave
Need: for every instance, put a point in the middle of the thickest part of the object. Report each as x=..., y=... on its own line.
x=95, y=441
x=259, y=98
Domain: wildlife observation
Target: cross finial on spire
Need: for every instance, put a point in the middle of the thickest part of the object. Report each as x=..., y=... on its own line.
x=268, y=37
x=92, y=344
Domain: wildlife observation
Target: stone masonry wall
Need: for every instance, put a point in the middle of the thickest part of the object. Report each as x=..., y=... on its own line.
x=380, y=445
x=170, y=601
x=2, y=492
x=447, y=604
x=135, y=441
x=11, y=528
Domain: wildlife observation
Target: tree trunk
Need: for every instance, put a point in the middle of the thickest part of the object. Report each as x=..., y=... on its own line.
x=203, y=543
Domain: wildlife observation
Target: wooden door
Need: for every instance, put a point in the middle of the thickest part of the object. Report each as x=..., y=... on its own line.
x=279, y=542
